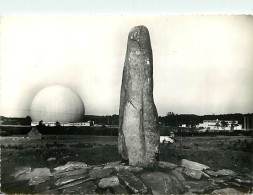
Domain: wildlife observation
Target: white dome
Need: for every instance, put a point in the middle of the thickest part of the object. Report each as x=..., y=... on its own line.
x=57, y=103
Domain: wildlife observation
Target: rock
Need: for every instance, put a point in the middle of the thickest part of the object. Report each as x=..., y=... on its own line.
x=225, y=172
x=164, y=164
x=41, y=187
x=179, y=169
x=128, y=168
x=108, y=182
x=189, y=193
x=60, y=174
x=178, y=175
x=83, y=188
x=112, y=164
x=133, y=182
x=51, y=159
x=100, y=173
x=38, y=179
x=226, y=191
x=119, y=189
x=204, y=186
x=138, y=139
x=37, y=172
x=21, y=170
x=193, y=165
x=212, y=173
x=244, y=181
x=71, y=166
x=195, y=174
x=75, y=183
x=161, y=183
x=68, y=179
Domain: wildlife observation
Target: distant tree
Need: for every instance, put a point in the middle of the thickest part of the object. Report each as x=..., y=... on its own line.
x=28, y=120
x=224, y=124
x=57, y=124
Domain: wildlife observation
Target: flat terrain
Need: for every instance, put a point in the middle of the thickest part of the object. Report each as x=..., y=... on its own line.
x=230, y=152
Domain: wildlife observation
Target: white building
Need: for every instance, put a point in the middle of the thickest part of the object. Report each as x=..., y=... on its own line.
x=220, y=125
x=53, y=124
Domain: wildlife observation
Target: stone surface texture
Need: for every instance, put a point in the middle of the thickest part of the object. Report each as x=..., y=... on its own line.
x=99, y=179
x=162, y=183
x=138, y=139
x=193, y=165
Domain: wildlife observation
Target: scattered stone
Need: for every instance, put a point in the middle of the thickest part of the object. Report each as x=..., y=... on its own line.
x=164, y=164
x=41, y=187
x=60, y=174
x=195, y=174
x=161, y=183
x=37, y=180
x=138, y=139
x=109, y=182
x=244, y=181
x=68, y=179
x=112, y=164
x=217, y=180
x=75, y=183
x=83, y=188
x=226, y=191
x=70, y=166
x=51, y=159
x=225, y=172
x=37, y=172
x=21, y=170
x=100, y=173
x=119, y=189
x=178, y=175
x=212, y=173
x=179, y=169
x=133, y=182
x=128, y=168
x=193, y=165
x=200, y=186
x=234, y=184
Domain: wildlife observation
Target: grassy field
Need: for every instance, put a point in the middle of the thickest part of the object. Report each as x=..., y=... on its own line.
x=230, y=152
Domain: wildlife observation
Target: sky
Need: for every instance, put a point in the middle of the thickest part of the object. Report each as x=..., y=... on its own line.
x=202, y=64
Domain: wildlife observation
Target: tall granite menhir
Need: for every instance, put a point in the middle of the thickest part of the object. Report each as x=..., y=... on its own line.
x=138, y=139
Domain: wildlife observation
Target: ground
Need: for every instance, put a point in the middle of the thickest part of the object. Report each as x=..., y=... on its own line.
x=219, y=152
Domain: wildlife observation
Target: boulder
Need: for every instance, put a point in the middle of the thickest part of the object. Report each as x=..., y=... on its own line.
x=193, y=165
x=119, y=189
x=100, y=173
x=195, y=174
x=205, y=186
x=211, y=173
x=68, y=179
x=60, y=174
x=133, y=182
x=21, y=170
x=138, y=139
x=162, y=183
x=37, y=172
x=178, y=175
x=75, y=183
x=83, y=188
x=108, y=182
x=164, y=164
x=70, y=166
x=112, y=164
x=225, y=172
x=51, y=159
x=226, y=191
x=128, y=168
x=37, y=180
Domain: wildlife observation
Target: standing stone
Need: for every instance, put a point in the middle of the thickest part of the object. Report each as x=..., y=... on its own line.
x=138, y=139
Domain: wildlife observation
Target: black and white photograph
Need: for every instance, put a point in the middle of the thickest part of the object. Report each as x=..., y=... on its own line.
x=126, y=104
